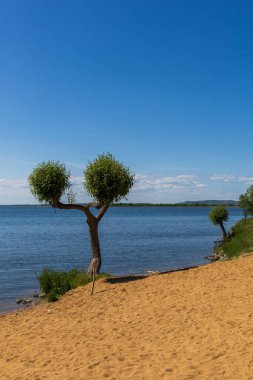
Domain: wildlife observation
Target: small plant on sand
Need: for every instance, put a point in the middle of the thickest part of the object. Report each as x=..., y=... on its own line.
x=218, y=216
x=54, y=284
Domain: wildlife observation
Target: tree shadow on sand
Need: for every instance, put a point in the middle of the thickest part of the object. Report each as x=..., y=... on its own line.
x=126, y=279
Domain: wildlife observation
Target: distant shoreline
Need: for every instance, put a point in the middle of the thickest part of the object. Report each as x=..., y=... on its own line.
x=183, y=204
x=172, y=205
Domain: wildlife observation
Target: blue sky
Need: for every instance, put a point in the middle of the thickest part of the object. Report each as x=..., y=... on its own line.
x=166, y=86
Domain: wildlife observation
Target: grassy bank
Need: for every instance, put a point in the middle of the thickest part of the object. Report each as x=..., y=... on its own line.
x=241, y=240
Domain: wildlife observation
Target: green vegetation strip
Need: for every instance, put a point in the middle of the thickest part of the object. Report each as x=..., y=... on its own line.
x=54, y=284
x=241, y=240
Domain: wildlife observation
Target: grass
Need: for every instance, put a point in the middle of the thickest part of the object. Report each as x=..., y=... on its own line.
x=241, y=240
x=54, y=284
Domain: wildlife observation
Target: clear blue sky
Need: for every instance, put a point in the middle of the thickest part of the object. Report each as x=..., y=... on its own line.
x=166, y=86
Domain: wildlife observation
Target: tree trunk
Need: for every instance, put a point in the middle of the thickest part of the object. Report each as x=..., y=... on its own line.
x=95, y=264
x=92, y=222
x=223, y=230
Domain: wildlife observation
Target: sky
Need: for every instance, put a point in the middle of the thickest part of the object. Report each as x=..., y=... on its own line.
x=165, y=86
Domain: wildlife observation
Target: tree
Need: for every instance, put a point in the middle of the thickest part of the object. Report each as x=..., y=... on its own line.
x=218, y=216
x=244, y=205
x=106, y=180
x=246, y=202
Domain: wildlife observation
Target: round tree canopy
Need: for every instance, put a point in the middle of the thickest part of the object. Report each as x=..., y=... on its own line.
x=107, y=180
x=218, y=215
x=48, y=181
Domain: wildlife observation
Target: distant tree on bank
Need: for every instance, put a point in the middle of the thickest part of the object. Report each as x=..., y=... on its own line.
x=244, y=205
x=106, y=180
x=246, y=202
x=218, y=215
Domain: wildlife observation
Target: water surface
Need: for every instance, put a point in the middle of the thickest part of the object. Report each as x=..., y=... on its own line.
x=133, y=240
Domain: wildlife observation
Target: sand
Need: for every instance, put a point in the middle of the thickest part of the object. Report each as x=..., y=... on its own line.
x=194, y=324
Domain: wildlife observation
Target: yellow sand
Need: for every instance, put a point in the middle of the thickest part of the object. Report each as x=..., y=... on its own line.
x=195, y=324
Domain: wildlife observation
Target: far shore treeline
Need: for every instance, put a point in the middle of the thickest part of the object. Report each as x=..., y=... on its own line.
x=207, y=203
x=182, y=204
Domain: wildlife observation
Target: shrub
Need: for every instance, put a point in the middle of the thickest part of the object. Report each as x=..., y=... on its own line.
x=52, y=296
x=54, y=284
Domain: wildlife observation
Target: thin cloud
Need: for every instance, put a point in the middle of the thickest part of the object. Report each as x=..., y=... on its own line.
x=77, y=181
x=13, y=183
x=174, y=183
x=231, y=178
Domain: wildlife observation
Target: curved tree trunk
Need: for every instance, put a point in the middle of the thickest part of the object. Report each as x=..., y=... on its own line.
x=96, y=262
x=223, y=230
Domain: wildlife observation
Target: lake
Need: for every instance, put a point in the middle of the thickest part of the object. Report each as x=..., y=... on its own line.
x=133, y=240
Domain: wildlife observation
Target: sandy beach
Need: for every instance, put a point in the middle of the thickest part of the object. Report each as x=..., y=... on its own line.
x=194, y=324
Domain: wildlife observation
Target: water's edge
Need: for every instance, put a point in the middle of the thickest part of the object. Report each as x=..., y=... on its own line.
x=11, y=306
x=133, y=240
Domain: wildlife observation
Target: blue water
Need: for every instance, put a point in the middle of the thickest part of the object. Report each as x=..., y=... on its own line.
x=133, y=240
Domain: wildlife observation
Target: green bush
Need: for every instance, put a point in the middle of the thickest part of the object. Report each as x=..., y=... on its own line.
x=54, y=284
x=52, y=296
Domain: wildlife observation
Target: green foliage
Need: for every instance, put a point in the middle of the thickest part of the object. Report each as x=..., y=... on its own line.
x=241, y=240
x=71, y=196
x=246, y=202
x=54, y=284
x=107, y=180
x=48, y=181
x=52, y=296
x=218, y=215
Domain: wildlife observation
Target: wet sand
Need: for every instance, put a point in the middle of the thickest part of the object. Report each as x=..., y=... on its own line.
x=195, y=324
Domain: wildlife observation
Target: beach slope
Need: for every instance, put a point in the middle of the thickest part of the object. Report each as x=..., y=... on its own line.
x=194, y=324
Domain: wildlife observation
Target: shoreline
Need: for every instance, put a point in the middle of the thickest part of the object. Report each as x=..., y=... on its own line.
x=11, y=305
x=14, y=306
x=194, y=323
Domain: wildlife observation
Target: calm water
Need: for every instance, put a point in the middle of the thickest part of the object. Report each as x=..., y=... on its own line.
x=133, y=240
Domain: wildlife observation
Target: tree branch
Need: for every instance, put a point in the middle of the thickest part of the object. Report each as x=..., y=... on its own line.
x=102, y=212
x=74, y=206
